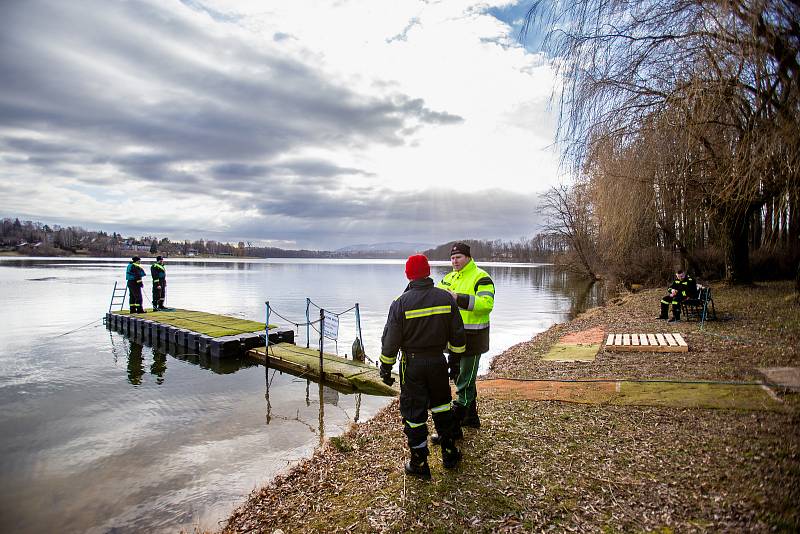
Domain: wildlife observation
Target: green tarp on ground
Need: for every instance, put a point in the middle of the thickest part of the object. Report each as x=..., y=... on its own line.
x=572, y=352
x=688, y=395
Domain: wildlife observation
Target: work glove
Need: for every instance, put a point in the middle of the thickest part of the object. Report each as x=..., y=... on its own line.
x=386, y=374
x=453, y=367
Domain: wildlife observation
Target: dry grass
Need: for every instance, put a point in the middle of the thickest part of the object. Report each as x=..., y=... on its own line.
x=758, y=327
x=575, y=467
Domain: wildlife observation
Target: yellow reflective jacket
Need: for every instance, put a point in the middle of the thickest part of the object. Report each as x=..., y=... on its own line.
x=475, y=297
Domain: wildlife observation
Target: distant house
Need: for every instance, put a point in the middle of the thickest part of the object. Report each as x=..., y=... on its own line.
x=135, y=248
x=191, y=252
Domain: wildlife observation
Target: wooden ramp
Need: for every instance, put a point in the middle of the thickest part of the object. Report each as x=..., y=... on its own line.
x=346, y=375
x=646, y=343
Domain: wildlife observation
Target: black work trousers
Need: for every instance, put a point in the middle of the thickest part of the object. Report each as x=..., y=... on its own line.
x=676, y=305
x=425, y=385
x=135, y=296
x=159, y=294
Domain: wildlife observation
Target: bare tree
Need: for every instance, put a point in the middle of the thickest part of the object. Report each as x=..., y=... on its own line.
x=569, y=214
x=718, y=81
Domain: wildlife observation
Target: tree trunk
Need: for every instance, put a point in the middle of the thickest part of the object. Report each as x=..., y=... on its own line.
x=737, y=253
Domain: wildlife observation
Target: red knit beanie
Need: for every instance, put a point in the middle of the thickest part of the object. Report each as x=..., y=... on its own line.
x=417, y=267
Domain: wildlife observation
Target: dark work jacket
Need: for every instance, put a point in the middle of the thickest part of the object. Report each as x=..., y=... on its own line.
x=424, y=320
x=158, y=272
x=134, y=272
x=686, y=288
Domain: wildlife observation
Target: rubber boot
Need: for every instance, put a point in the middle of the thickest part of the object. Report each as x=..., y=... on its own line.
x=418, y=465
x=676, y=315
x=471, y=418
x=450, y=453
x=664, y=311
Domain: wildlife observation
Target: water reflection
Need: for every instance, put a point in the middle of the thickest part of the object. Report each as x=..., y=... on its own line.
x=325, y=395
x=159, y=366
x=135, y=363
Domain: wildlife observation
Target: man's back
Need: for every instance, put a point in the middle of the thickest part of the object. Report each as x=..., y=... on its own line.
x=423, y=318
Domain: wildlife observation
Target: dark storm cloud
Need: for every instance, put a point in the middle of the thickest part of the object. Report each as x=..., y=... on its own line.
x=329, y=219
x=235, y=171
x=101, y=77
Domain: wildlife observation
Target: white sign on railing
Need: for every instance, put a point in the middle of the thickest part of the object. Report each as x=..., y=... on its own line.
x=331, y=327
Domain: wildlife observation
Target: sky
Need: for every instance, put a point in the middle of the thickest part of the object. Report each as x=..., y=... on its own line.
x=297, y=124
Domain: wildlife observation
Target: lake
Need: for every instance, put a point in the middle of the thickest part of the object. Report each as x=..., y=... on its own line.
x=101, y=434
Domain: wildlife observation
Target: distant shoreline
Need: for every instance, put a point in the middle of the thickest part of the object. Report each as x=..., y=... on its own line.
x=58, y=253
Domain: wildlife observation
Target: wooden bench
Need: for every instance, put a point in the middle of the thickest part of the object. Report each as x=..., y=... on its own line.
x=646, y=343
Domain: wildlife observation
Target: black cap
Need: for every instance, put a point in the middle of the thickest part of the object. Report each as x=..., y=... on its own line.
x=136, y=258
x=159, y=258
x=460, y=248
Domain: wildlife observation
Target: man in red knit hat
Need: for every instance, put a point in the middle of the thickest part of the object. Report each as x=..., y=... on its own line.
x=422, y=323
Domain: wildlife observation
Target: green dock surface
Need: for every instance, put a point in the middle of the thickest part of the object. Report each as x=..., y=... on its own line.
x=209, y=324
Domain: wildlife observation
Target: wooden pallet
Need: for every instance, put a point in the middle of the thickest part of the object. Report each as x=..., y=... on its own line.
x=646, y=343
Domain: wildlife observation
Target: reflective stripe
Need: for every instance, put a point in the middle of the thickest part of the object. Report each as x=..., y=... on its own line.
x=456, y=350
x=442, y=408
x=414, y=425
x=471, y=380
x=479, y=326
x=471, y=305
x=484, y=294
x=427, y=312
x=388, y=360
x=423, y=445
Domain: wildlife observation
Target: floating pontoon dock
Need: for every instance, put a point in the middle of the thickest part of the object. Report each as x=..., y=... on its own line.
x=221, y=336
x=349, y=375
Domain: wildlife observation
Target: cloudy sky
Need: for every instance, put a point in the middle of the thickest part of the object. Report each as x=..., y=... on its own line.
x=299, y=124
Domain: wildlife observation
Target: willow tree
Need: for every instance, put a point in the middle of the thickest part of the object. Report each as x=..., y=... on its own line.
x=728, y=70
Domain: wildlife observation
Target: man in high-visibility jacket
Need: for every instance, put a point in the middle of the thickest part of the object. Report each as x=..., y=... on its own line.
x=159, y=274
x=422, y=323
x=133, y=275
x=473, y=290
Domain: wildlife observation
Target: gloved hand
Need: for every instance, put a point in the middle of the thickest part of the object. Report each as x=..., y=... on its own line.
x=453, y=364
x=386, y=374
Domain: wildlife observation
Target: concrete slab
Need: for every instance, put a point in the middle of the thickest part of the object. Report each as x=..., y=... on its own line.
x=782, y=377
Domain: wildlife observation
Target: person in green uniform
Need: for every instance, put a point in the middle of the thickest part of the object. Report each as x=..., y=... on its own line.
x=159, y=274
x=473, y=290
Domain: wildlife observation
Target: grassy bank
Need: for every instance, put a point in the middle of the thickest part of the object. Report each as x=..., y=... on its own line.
x=587, y=467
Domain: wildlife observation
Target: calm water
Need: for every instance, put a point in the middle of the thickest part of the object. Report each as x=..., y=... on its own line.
x=100, y=434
